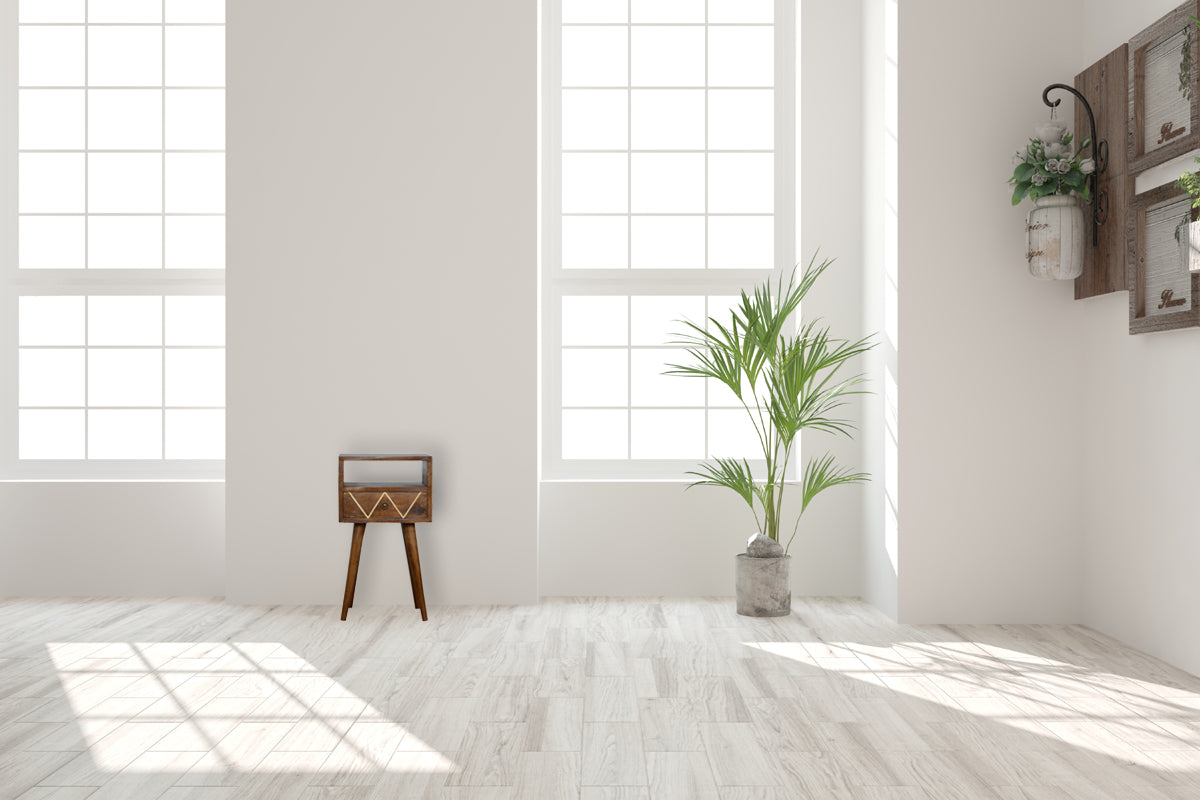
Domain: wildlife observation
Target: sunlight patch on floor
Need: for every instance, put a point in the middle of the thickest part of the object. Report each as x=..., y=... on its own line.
x=1136, y=720
x=238, y=703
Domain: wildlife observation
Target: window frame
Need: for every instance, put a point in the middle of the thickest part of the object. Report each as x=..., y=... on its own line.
x=558, y=282
x=16, y=283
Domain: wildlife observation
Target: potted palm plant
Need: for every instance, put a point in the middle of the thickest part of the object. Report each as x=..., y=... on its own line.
x=787, y=381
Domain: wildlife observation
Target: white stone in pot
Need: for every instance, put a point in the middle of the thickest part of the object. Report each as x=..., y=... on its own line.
x=760, y=546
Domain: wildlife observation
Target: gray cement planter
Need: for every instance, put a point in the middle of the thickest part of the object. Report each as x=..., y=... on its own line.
x=764, y=587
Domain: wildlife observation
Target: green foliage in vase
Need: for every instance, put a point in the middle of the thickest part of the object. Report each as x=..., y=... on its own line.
x=786, y=382
x=1048, y=165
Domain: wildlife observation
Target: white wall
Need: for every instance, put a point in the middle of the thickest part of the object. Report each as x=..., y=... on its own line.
x=382, y=290
x=990, y=424
x=613, y=538
x=111, y=538
x=1141, y=444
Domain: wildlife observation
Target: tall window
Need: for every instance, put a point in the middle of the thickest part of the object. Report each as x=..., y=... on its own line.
x=114, y=269
x=669, y=186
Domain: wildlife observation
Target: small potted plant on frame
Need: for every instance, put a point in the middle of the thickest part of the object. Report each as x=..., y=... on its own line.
x=787, y=382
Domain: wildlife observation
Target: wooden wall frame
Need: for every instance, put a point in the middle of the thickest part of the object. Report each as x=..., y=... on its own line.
x=1149, y=306
x=1164, y=117
x=1106, y=86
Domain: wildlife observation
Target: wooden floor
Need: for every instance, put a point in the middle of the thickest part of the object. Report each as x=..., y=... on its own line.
x=595, y=699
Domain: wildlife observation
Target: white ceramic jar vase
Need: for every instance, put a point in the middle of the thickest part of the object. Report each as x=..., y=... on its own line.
x=1055, y=238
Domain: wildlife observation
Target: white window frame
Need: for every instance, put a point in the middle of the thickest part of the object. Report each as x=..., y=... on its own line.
x=558, y=282
x=15, y=283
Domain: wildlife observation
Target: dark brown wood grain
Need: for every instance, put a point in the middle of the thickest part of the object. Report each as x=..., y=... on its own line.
x=352, y=570
x=414, y=568
x=1105, y=84
x=1166, y=27
x=1139, y=322
x=383, y=501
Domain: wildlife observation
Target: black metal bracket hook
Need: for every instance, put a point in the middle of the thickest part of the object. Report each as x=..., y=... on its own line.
x=1099, y=155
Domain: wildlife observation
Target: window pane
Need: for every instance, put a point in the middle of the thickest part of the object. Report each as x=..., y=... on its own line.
x=195, y=377
x=50, y=183
x=50, y=320
x=670, y=183
x=741, y=242
x=595, y=183
x=650, y=387
x=124, y=320
x=195, y=56
x=595, y=119
x=741, y=119
x=741, y=183
x=668, y=56
x=195, y=434
x=668, y=10
x=50, y=377
x=125, y=242
x=668, y=119
x=595, y=320
x=667, y=434
x=741, y=56
x=195, y=119
x=124, y=434
x=51, y=11
x=195, y=10
x=124, y=10
x=668, y=242
x=595, y=377
x=195, y=183
x=49, y=434
x=124, y=55
x=195, y=320
x=195, y=242
x=126, y=377
x=741, y=10
x=595, y=243
x=124, y=183
x=656, y=319
x=595, y=57
x=732, y=435
x=595, y=434
x=125, y=119
x=50, y=243
x=595, y=10
x=51, y=56
x=51, y=119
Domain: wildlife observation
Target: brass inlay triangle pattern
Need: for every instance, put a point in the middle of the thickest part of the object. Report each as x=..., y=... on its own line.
x=367, y=514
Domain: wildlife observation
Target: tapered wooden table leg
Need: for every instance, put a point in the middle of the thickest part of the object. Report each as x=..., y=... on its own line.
x=408, y=553
x=414, y=567
x=352, y=570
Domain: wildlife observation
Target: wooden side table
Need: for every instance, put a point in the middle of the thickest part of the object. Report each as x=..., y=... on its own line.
x=406, y=503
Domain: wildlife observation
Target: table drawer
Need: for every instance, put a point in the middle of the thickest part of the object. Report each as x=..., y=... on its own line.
x=386, y=505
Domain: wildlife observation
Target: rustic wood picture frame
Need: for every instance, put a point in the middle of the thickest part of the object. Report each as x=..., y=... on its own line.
x=1106, y=85
x=1140, y=251
x=1148, y=148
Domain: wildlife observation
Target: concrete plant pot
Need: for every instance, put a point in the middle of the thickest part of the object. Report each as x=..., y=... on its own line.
x=764, y=587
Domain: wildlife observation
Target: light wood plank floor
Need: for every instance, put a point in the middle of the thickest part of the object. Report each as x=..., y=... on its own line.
x=588, y=699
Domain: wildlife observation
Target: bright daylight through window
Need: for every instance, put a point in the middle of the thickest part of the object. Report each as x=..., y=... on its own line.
x=114, y=269
x=668, y=187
